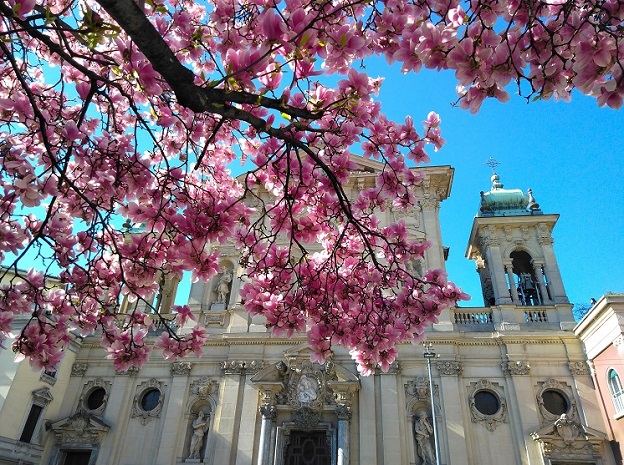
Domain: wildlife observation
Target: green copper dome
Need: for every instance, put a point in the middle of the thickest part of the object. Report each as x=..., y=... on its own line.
x=506, y=202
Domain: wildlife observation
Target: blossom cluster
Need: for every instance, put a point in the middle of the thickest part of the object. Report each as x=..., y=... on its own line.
x=120, y=121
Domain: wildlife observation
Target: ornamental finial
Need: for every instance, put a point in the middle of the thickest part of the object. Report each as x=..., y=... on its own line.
x=492, y=163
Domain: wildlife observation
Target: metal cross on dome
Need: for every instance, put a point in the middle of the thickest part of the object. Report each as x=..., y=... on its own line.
x=492, y=164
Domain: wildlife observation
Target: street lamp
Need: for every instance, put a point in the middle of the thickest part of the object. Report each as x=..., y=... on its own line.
x=430, y=354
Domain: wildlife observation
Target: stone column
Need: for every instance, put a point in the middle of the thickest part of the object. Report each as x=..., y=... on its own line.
x=118, y=406
x=512, y=283
x=539, y=277
x=174, y=427
x=269, y=413
x=343, y=413
x=497, y=270
x=555, y=283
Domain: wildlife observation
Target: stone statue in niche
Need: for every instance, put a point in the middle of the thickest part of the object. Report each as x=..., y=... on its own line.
x=200, y=426
x=307, y=389
x=423, y=433
x=223, y=287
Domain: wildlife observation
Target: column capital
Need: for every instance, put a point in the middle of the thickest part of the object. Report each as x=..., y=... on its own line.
x=343, y=412
x=268, y=411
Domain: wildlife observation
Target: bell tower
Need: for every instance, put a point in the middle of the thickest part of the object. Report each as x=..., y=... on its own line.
x=511, y=243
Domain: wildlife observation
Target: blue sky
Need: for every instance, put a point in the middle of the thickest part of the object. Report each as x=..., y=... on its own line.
x=570, y=154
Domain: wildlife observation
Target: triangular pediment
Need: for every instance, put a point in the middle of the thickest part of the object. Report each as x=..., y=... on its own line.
x=82, y=427
x=561, y=426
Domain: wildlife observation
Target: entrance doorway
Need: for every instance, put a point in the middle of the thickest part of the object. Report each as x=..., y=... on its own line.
x=307, y=448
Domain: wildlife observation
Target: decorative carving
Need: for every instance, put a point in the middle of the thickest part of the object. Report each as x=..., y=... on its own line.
x=578, y=368
x=516, y=368
x=180, y=368
x=449, y=368
x=80, y=428
x=562, y=389
x=568, y=429
x=130, y=371
x=79, y=369
x=430, y=204
x=203, y=387
x=343, y=412
x=42, y=396
x=488, y=238
x=566, y=439
x=306, y=418
x=418, y=388
x=393, y=369
x=238, y=367
x=491, y=421
x=88, y=389
x=145, y=416
x=543, y=231
x=268, y=411
x=307, y=389
x=508, y=233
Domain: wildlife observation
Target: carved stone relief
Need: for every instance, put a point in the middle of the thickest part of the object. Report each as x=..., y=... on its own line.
x=306, y=419
x=490, y=420
x=130, y=371
x=516, y=368
x=80, y=428
x=307, y=386
x=567, y=439
x=180, y=368
x=578, y=368
x=449, y=368
x=237, y=367
x=418, y=388
x=79, y=369
x=203, y=388
x=42, y=396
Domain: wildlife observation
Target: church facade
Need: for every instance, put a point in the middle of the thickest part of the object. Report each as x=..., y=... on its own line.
x=511, y=383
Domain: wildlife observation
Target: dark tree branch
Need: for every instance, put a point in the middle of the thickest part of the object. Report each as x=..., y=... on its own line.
x=199, y=99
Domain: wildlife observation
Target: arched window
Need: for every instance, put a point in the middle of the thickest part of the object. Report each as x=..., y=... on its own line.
x=527, y=285
x=617, y=393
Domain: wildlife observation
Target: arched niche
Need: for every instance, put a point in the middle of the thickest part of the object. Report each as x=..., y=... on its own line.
x=222, y=286
x=199, y=418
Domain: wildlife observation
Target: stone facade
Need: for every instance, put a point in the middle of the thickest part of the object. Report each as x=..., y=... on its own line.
x=509, y=381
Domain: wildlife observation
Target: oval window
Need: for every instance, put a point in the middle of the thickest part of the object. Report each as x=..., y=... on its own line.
x=96, y=398
x=486, y=402
x=150, y=399
x=555, y=402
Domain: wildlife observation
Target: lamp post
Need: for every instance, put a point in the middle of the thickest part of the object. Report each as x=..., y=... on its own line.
x=430, y=354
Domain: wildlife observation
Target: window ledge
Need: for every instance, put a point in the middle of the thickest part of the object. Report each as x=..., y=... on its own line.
x=618, y=415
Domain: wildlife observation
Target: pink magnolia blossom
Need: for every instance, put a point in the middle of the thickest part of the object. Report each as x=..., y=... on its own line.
x=115, y=161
